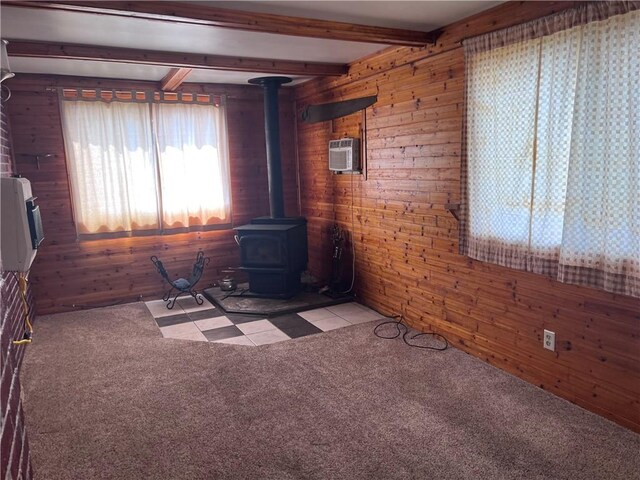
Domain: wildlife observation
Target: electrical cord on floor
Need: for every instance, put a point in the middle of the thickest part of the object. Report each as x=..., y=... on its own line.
x=399, y=326
x=235, y=293
x=28, y=328
x=353, y=245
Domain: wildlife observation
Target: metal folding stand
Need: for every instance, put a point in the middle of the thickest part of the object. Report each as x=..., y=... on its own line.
x=182, y=285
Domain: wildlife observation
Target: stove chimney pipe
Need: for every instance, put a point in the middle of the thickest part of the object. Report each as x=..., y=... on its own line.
x=272, y=136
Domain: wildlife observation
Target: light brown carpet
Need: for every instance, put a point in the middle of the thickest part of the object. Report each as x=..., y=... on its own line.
x=107, y=397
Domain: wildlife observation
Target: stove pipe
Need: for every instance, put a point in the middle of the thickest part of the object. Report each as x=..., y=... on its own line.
x=272, y=136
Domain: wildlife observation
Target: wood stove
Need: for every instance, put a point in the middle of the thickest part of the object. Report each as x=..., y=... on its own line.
x=273, y=250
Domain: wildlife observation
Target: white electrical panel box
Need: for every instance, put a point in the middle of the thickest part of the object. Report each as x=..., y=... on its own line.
x=344, y=155
x=20, y=224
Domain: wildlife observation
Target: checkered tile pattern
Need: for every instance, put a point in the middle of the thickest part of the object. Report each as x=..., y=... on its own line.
x=207, y=323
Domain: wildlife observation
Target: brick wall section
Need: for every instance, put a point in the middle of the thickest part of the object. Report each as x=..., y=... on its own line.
x=15, y=460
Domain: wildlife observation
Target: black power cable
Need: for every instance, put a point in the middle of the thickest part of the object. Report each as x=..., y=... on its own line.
x=399, y=325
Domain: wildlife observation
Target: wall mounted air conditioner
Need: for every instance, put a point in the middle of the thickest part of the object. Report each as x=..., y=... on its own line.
x=20, y=224
x=344, y=155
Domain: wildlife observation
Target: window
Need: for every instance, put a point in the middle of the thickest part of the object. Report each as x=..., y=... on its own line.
x=141, y=167
x=552, y=140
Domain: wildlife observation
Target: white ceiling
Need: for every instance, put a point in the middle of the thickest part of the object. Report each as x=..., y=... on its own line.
x=90, y=29
x=425, y=15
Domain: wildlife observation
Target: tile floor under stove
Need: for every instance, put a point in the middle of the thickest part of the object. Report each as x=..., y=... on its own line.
x=208, y=323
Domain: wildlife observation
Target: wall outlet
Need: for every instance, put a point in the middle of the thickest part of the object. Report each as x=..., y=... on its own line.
x=549, y=340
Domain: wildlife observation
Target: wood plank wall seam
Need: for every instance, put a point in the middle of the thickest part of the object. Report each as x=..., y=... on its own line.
x=67, y=272
x=406, y=242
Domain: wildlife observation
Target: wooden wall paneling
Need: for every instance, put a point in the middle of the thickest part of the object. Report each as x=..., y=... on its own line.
x=406, y=242
x=67, y=272
x=378, y=64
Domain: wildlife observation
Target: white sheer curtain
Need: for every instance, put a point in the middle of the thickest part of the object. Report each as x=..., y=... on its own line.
x=601, y=235
x=112, y=166
x=146, y=168
x=194, y=166
x=551, y=174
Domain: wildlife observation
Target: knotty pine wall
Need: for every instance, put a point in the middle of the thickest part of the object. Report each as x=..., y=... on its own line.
x=406, y=242
x=67, y=272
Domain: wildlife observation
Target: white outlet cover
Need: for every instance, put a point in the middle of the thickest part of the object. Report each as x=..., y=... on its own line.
x=549, y=340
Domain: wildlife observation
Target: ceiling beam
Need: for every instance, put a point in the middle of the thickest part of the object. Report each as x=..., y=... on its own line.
x=179, y=12
x=174, y=79
x=19, y=48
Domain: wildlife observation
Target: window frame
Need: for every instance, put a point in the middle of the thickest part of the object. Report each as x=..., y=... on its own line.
x=151, y=98
x=588, y=260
